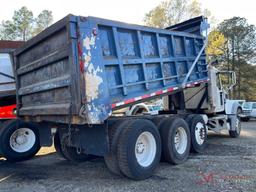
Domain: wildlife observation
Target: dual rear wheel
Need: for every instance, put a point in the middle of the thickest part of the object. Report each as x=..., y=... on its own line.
x=136, y=145
x=135, y=148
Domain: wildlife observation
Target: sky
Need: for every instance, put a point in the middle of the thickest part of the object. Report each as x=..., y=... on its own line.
x=130, y=11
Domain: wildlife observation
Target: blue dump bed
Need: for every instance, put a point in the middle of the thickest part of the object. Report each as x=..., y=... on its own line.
x=82, y=68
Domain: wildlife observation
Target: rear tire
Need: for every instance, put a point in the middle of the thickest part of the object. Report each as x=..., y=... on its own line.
x=139, y=149
x=198, y=133
x=176, y=140
x=57, y=145
x=1, y=122
x=19, y=140
x=111, y=158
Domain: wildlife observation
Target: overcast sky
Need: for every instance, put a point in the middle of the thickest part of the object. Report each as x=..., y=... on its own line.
x=131, y=11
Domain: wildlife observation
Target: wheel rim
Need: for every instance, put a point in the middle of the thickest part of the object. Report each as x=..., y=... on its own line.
x=200, y=133
x=145, y=149
x=22, y=140
x=181, y=140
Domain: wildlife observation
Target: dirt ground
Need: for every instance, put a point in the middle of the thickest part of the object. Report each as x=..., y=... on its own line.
x=227, y=165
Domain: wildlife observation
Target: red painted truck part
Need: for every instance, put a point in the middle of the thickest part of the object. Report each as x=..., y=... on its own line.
x=8, y=112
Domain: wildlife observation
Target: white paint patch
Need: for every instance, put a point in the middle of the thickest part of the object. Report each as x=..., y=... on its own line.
x=88, y=42
x=92, y=84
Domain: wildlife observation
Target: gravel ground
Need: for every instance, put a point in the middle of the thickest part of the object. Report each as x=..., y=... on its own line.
x=227, y=165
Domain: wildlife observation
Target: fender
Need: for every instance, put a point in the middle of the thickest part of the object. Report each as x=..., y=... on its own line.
x=140, y=106
x=231, y=107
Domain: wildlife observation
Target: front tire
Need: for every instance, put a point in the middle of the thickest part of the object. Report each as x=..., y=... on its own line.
x=57, y=145
x=139, y=149
x=19, y=140
x=236, y=125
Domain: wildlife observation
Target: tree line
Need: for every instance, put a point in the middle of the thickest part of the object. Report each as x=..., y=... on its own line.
x=232, y=42
x=24, y=25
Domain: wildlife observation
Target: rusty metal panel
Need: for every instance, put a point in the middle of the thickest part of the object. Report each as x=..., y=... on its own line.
x=46, y=75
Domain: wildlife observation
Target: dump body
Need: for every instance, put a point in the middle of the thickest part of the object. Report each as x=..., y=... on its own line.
x=82, y=68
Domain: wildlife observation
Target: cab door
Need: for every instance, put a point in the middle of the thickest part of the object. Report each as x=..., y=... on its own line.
x=217, y=95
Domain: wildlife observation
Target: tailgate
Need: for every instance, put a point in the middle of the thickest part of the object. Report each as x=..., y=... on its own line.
x=46, y=72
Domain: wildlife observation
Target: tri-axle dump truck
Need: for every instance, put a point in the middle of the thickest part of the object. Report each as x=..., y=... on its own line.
x=13, y=132
x=73, y=76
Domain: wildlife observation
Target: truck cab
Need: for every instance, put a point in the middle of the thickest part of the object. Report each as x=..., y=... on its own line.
x=7, y=81
x=18, y=140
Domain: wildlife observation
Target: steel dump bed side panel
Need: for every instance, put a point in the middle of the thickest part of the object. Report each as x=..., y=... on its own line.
x=82, y=68
x=136, y=62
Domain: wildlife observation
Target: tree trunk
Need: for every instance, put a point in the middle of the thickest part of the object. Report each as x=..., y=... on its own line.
x=239, y=70
x=233, y=64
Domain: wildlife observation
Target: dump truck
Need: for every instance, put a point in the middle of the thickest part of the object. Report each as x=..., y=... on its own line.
x=18, y=140
x=72, y=77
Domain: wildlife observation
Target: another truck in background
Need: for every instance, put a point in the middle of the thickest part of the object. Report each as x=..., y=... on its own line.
x=18, y=140
x=249, y=111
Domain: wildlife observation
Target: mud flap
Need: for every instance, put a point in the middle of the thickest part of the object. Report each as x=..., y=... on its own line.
x=45, y=135
x=93, y=139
